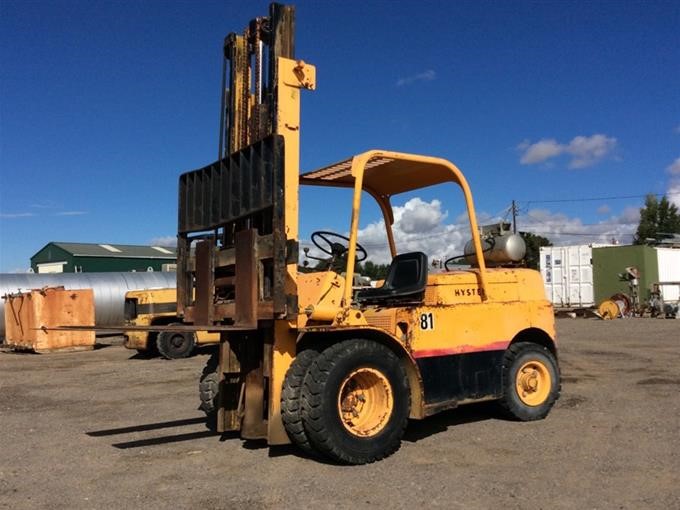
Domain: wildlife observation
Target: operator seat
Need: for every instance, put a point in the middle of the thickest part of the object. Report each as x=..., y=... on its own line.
x=406, y=280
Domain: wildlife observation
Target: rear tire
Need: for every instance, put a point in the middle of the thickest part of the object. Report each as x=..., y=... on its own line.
x=208, y=388
x=290, y=399
x=175, y=344
x=356, y=402
x=531, y=382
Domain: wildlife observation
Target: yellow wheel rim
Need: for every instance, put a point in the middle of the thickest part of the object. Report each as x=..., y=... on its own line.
x=608, y=309
x=533, y=383
x=365, y=402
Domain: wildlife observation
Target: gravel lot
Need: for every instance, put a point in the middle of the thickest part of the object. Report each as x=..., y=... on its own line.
x=106, y=428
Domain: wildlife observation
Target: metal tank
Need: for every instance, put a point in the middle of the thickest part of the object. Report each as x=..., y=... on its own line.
x=109, y=289
x=498, y=249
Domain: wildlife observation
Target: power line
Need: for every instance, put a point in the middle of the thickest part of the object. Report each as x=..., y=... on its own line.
x=581, y=233
x=594, y=199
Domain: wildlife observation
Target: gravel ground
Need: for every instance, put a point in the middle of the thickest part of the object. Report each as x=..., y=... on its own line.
x=107, y=428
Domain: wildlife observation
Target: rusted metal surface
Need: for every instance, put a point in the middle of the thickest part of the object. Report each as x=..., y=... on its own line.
x=237, y=195
x=205, y=275
x=30, y=315
x=152, y=327
x=246, y=278
x=228, y=398
x=254, y=425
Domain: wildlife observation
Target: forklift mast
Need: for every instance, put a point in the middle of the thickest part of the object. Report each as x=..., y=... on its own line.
x=238, y=224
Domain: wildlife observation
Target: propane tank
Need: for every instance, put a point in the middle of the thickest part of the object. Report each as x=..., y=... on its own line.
x=498, y=249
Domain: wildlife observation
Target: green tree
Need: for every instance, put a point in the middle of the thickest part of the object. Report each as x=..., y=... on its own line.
x=373, y=271
x=656, y=217
x=534, y=243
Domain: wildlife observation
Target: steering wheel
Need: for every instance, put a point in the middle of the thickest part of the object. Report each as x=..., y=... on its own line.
x=334, y=248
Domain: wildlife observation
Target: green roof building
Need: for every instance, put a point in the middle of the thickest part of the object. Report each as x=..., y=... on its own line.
x=58, y=257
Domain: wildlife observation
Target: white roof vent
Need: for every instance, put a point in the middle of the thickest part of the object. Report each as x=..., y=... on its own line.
x=162, y=250
x=110, y=248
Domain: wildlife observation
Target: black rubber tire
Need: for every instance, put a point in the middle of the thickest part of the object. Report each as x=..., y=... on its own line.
x=510, y=403
x=320, y=416
x=290, y=399
x=175, y=345
x=208, y=388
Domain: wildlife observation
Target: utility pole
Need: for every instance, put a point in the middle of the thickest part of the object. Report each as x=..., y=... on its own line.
x=514, y=217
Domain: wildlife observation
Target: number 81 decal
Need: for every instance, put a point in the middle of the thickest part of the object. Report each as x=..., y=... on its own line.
x=426, y=321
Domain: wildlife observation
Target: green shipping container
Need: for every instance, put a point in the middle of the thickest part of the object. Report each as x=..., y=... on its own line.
x=610, y=261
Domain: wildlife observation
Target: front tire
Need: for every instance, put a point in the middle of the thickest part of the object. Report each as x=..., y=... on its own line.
x=175, y=344
x=208, y=389
x=531, y=382
x=290, y=399
x=356, y=402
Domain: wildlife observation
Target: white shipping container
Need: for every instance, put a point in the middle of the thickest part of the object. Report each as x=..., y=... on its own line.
x=669, y=271
x=567, y=273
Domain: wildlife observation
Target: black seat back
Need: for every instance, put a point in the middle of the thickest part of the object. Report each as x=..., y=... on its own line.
x=406, y=280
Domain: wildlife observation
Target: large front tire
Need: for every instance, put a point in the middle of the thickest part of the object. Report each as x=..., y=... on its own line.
x=208, y=388
x=356, y=402
x=290, y=399
x=531, y=382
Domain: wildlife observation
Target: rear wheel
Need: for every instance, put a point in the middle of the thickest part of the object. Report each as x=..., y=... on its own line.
x=290, y=399
x=531, y=381
x=208, y=388
x=175, y=344
x=356, y=402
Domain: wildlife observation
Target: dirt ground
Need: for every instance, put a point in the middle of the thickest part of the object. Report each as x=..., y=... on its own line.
x=106, y=428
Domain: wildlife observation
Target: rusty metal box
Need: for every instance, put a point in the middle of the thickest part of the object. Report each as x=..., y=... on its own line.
x=29, y=315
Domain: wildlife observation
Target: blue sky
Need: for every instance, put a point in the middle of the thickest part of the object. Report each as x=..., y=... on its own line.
x=104, y=104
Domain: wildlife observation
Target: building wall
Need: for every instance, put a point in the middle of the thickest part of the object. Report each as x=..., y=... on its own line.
x=52, y=253
x=610, y=261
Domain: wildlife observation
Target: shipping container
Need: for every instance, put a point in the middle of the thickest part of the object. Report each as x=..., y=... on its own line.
x=609, y=262
x=568, y=275
x=668, y=261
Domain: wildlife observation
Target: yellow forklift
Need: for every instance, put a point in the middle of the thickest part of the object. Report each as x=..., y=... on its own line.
x=306, y=357
x=153, y=307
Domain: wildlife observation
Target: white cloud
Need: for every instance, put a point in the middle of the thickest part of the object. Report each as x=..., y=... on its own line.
x=674, y=167
x=428, y=75
x=163, y=241
x=564, y=230
x=604, y=209
x=45, y=204
x=16, y=215
x=539, y=151
x=630, y=215
x=584, y=150
x=418, y=226
x=418, y=216
x=673, y=191
x=70, y=213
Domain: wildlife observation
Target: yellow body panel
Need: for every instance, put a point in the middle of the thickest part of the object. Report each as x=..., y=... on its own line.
x=463, y=322
x=160, y=307
x=293, y=76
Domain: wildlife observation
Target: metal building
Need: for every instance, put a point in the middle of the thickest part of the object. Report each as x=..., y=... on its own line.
x=56, y=257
